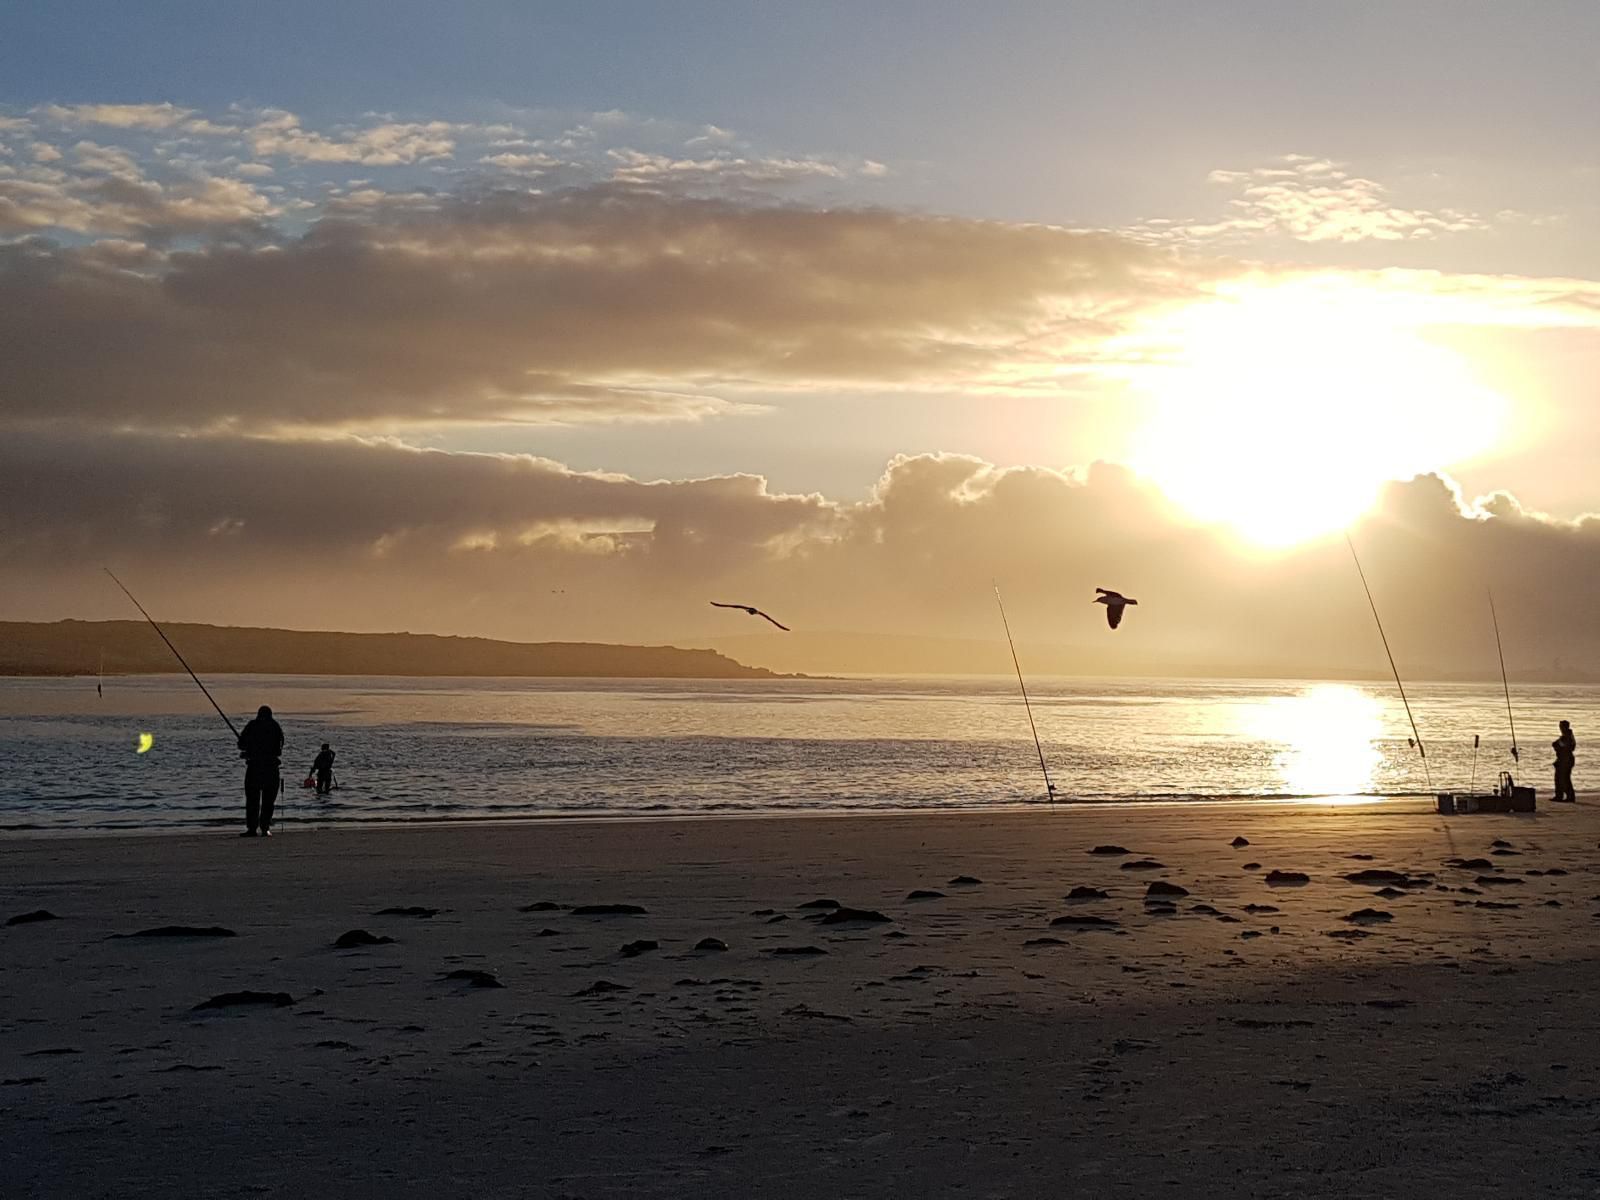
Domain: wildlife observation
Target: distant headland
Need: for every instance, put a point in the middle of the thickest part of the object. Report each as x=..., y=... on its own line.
x=132, y=648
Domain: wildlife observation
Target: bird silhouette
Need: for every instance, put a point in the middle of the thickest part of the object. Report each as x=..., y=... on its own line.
x=753, y=611
x=1115, y=602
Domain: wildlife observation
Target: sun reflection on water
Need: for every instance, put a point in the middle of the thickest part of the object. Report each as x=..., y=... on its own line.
x=1329, y=736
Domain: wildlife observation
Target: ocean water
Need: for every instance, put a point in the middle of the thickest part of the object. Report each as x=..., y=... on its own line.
x=461, y=749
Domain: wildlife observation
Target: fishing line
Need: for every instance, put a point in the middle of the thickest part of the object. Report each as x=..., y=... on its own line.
x=1504, y=682
x=1050, y=788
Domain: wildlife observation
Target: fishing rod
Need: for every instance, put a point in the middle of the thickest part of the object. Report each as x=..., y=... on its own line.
x=174, y=650
x=1516, y=757
x=1050, y=788
x=1416, y=736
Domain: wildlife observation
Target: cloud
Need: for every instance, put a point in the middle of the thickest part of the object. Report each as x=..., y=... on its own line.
x=279, y=133
x=146, y=117
x=508, y=306
x=473, y=543
x=1310, y=199
x=109, y=195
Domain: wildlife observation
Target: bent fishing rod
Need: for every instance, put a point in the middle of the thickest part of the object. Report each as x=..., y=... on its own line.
x=175, y=651
x=1421, y=750
x=1049, y=788
x=1516, y=756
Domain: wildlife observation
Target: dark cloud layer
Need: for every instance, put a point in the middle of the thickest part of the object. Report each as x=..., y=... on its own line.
x=364, y=535
x=602, y=302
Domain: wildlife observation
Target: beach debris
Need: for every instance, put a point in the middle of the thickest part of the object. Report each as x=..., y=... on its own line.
x=1239, y=843
x=359, y=937
x=608, y=910
x=711, y=943
x=181, y=931
x=1115, y=602
x=1162, y=888
x=1261, y=908
x=541, y=906
x=30, y=918
x=411, y=910
x=804, y=1010
x=841, y=916
x=1391, y=878
x=1088, y=893
x=601, y=987
x=1144, y=864
x=924, y=894
x=240, y=999
x=1226, y=918
x=477, y=979
x=1360, y=857
x=1073, y=921
x=1368, y=916
x=1205, y=910
x=794, y=951
x=1044, y=941
x=1250, y=933
x=1251, y=866
x=817, y=904
x=1287, y=879
x=642, y=946
x=1349, y=935
x=1470, y=864
x=548, y=932
x=964, y=881
x=1497, y=880
x=1496, y=904
x=1111, y=850
x=335, y=1044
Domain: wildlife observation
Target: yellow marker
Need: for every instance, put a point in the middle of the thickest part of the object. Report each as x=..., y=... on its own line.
x=146, y=740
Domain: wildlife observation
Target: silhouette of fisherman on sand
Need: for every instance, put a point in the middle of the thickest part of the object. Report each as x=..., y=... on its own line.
x=260, y=745
x=322, y=768
x=1566, y=748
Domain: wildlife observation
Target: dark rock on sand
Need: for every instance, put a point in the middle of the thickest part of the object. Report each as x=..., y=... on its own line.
x=1044, y=941
x=1239, y=843
x=1390, y=893
x=1496, y=880
x=30, y=918
x=711, y=943
x=1076, y=922
x=1360, y=857
x=1506, y=853
x=1287, y=879
x=359, y=937
x=541, y=906
x=824, y=903
x=924, y=894
x=1162, y=888
x=964, y=881
x=601, y=987
x=548, y=932
x=235, y=999
x=794, y=951
x=1392, y=878
x=608, y=910
x=1261, y=908
x=776, y=919
x=412, y=910
x=1250, y=933
x=642, y=946
x=1368, y=916
x=1556, y=871
x=1160, y=908
x=1500, y=843
x=1205, y=910
x=1493, y=904
x=1111, y=850
x=842, y=916
x=1470, y=864
x=896, y=933
x=181, y=931
x=1348, y=934
x=1389, y=1003
x=1144, y=864
x=478, y=979
x=1251, y=866
x=1087, y=893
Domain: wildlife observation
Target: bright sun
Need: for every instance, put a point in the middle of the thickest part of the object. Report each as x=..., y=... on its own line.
x=1282, y=410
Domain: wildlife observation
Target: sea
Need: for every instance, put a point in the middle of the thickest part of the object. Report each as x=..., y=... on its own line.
x=434, y=749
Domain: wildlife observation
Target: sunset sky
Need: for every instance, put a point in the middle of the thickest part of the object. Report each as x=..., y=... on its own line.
x=554, y=321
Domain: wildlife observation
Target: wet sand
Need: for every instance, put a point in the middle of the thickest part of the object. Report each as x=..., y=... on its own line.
x=1429, y=1032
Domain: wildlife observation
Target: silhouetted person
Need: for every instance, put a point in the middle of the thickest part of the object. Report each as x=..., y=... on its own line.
x=260, y=745
x=323, y=766
x=1566, y=748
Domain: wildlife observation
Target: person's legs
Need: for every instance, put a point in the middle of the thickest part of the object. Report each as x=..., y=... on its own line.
x=252, y=799
x=269, y=796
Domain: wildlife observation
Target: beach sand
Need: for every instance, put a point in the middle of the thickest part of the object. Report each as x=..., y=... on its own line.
x=1214, y=1050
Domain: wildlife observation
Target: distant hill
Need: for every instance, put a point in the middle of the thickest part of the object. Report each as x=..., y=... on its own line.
x=132, y=648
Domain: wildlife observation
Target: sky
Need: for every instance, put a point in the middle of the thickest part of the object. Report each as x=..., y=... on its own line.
x=555, y=321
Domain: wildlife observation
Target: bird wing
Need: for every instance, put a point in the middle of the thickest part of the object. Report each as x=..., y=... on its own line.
x=742, y=607
x=779, y=624
x=1114, y=615
x=1105, y=591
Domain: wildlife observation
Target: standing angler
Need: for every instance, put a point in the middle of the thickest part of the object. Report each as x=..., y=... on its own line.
x=1566, y=748
x=260, y=745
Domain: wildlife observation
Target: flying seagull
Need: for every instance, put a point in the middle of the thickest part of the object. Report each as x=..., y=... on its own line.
x=753, y=611
x=1115, y=602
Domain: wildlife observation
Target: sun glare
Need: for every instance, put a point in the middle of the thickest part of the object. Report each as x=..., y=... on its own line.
x=1328, y=736
x=1279, y=412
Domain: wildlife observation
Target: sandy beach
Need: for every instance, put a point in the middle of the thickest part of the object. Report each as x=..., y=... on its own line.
x=1248, y=1038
